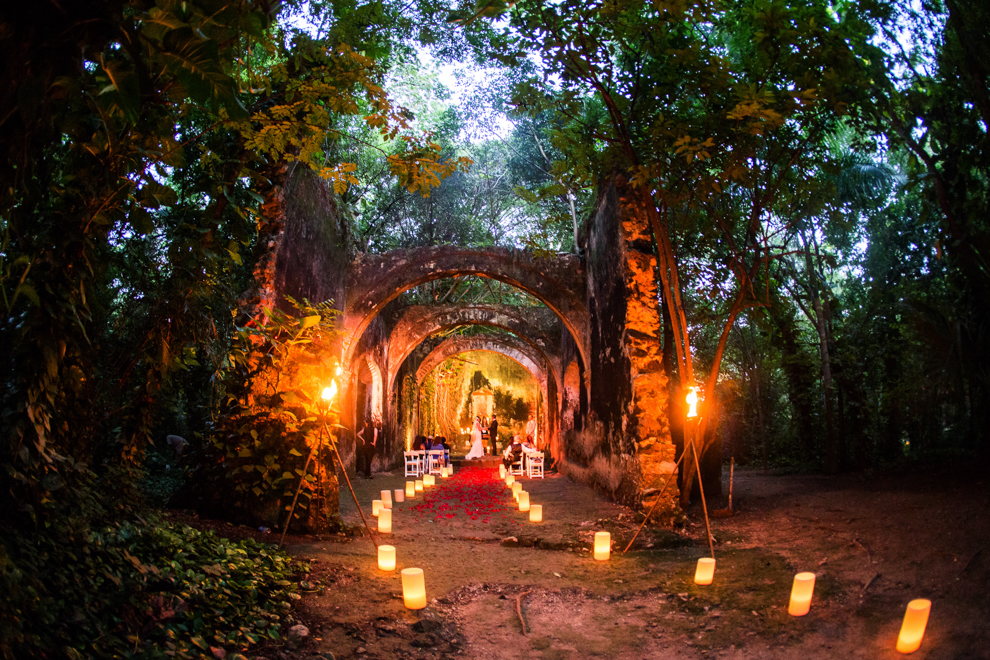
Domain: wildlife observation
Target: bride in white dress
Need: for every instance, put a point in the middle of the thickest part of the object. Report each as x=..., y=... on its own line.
x=477, y=449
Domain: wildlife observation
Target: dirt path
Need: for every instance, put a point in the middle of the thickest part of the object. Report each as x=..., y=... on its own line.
x=875, y=544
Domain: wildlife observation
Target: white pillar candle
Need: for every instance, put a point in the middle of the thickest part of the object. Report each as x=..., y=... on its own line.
x=385, y=521
x=419, y=485
x=913, y=627
x=413, y=588
x=376, y=507
x=705, y=572
x=410, y=489
x=523, y=501
x=535, y=513
x=603, y=545
x=400, y=496
x=386, y=499
x=386, y=557
x=801, y=591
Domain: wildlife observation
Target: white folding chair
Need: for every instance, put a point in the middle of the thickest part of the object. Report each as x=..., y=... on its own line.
x=414, y=463
x=534, y=465
x=434, y=461
x=517, y=467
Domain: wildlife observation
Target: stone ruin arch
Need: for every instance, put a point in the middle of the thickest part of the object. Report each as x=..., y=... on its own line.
x=504, y=344
x=375, y=280
x=606, y=299
x=417, y=323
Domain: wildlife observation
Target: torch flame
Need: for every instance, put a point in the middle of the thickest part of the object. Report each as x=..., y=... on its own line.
x=330, y=392
x=692, y=401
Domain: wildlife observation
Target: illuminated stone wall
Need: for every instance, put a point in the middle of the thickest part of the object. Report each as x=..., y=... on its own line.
x=624, y=449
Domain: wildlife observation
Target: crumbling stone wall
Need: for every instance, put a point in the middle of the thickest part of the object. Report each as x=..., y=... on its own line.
x=625, y=449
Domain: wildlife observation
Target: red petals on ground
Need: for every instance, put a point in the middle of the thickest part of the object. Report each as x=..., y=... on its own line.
x=475, y=492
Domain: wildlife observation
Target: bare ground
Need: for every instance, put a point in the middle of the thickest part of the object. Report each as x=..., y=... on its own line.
x=874, y=542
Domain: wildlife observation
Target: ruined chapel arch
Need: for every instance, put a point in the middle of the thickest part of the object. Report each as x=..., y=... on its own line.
x=509, y=346
x=420, y=322
x=375, y=280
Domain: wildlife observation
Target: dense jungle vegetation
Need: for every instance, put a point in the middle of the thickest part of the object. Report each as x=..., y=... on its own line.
x=816, y=176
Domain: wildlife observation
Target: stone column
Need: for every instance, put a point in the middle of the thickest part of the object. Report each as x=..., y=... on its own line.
x=649, y=427
x=626, y=450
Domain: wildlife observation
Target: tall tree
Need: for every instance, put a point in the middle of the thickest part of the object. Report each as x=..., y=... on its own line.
x=714, y=113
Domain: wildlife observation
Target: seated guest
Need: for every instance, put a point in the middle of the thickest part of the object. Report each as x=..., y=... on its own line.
x=513, y=452
x=442, y=444
x=418, y=443
x=529, y=445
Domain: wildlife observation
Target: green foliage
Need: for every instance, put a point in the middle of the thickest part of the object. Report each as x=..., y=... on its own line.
x=139, y=589
x=270, y=409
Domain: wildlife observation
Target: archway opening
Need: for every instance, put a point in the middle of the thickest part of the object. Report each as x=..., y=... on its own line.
x=481, y=383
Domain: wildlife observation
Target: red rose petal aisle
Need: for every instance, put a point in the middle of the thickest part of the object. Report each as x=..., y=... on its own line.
x=473, y=492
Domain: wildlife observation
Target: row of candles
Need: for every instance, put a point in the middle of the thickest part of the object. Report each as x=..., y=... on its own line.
x=413, y=579
x=414, y=582
x=912, y=628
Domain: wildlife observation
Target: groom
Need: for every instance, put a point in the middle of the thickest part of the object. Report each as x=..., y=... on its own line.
x=493, y=434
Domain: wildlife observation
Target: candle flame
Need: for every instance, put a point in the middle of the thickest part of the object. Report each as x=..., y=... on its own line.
x=692, y=401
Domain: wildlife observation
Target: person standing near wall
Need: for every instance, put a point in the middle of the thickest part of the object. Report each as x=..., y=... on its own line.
x=366, y=450
x=493, y=434
x=531, y=430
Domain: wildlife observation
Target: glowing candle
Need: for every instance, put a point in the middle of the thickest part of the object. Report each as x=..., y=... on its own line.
x=692, y=401
x=376, y=507
x=705, y=571
x=386, y=557
x=516, y=488
x=385, y=521
x=535, y=513
x=913, y=628
x=400, y=495
x=443, y=473
x=501, y=471
x=419, y=485
x=523, y=500
x=410, y=489
x=428, y=480
x=413, y=588
x=386, y=499
x=509, y=480
x=603, y=545
x=804, y=586
x=450, y=470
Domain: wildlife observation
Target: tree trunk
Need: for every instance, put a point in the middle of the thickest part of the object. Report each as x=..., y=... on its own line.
x=821, y=327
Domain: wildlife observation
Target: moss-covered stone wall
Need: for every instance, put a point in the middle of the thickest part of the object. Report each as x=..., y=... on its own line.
x=624, y=449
